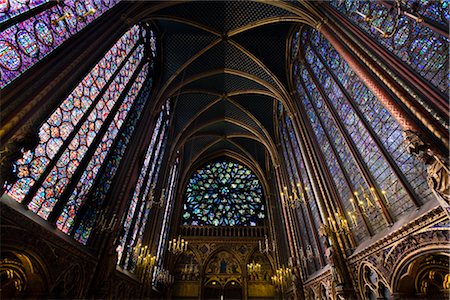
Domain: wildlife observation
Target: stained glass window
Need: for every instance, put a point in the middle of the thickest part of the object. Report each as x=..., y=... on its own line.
x=97, y=202
x=421, y=48
x=77, y=138
x=24, y=43
x=169, y=195
x=360, y=141
x=224, y=194
x=139, y=208
x=12, y=8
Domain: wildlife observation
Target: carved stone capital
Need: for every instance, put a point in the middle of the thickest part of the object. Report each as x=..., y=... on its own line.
x=438, y=168
x=416, y=146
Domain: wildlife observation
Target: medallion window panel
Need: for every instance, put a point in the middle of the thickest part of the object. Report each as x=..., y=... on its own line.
x=137, y=215
x=54, y=132
x=84, y=125
x=95, y=207
x=24, y=43
x=223, y=193
x=417, y=46
x=13, y=8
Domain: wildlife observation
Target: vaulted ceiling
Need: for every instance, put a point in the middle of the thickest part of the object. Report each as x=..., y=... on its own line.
x=224, y=66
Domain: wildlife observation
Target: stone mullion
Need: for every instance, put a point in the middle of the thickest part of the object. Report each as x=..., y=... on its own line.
x=278, y=176
x=426, y=22
x=312, y=225
x=370, y=181
x=28, y=14
x=403, y=119
x=108, y=158
x=92, y=148
x=38, y=183
x=317, y=169
x=366, y=222
x=141, y=199
x=302, y=241
x=152, y=235
x=386, y=155
x=153, y=182
x=428, y=91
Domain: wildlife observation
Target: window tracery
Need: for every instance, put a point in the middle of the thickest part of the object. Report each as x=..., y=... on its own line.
x=78, y=137
x=223, y=194
x=418, y=46
x=360, y=141
x=24, y=43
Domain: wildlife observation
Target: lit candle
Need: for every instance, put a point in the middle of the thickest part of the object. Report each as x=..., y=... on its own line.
x=353, y=204
x=385, y=197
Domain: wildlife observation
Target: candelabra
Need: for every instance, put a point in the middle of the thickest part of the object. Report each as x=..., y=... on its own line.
x=103, y=225
x=178, y=246
x=340, y=224
x=151, y=198
x=91, y=11
x=386, y=22
x=144, y=263
x=253, y=267
x=362, y=203
x=190, y=270
x=65, y=16
x=264, y=247
x=296, y=196
x=163, y=276
x=282, y=277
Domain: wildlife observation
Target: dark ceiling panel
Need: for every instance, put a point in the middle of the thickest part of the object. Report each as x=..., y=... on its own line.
x=187, y=105
x=256, y=149
x=260, y=106
x=225, y=83
x=196, y=145
x=190, y=43
x=268, y=43
x=223, y=145
x=223, y=128
x=210, y=13
x=222, y=15
x=225, y=109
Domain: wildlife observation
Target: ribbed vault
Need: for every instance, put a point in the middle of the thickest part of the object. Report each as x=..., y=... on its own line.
x=224, y=66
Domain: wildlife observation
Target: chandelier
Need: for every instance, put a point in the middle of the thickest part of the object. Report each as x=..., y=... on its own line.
x=144, y=263
x=386, y=21
x=178, y=246
x=163, y=276
x=253, y=267
x=296, y=196
x=282, y=277
x=191, y=268
x=264, y=246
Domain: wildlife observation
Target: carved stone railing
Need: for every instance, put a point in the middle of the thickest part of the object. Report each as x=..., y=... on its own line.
x=232, y=232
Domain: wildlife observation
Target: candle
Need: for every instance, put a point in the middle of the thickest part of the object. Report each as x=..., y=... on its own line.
x=353, y=204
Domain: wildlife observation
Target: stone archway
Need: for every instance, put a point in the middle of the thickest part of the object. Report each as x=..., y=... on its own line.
x=222, y=277
x=426, y=276
x=22, y=275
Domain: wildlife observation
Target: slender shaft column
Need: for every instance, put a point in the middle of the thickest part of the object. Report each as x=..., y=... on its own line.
x=438, y=170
